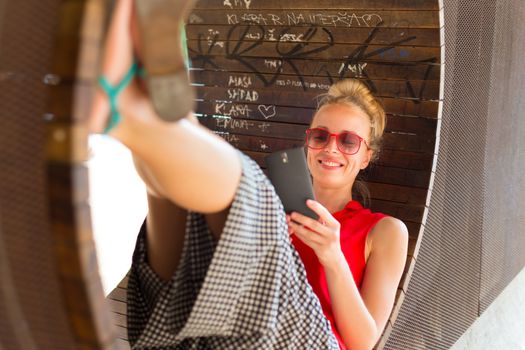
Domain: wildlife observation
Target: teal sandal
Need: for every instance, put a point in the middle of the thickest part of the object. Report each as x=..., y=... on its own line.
x=114, y=91
x=168, y=84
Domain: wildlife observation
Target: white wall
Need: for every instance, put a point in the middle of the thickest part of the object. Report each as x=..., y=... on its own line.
x=118, y=207
x=502, y=325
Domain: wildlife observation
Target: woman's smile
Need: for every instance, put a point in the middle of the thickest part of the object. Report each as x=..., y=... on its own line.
x=330, y=164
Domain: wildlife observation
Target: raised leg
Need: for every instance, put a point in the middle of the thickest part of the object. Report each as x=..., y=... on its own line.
x=185, y=166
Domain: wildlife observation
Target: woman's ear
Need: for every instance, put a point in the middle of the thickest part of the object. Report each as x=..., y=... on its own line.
x=367, y=158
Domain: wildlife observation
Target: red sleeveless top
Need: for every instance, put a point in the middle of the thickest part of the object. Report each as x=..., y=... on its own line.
x=355, y=222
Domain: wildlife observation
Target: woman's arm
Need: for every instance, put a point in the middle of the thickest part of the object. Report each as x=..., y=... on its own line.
x=360, y=316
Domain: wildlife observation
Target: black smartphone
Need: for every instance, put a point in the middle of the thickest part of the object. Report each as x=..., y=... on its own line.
x=288, y=172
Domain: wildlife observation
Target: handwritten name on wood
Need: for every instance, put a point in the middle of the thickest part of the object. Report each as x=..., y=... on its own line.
x=233, y=110
x=233, y=124
x=339, y=19
x=244, y=110
x=237, y=4
x=243, y=95
x=241, y=81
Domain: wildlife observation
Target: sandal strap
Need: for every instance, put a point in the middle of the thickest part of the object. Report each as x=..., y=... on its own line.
x=113, y=91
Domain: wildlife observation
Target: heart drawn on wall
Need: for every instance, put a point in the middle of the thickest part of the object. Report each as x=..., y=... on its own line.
x=267, y=111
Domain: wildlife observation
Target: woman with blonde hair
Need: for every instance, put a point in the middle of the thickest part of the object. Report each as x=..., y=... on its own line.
x=213, y=266
x=353, y=258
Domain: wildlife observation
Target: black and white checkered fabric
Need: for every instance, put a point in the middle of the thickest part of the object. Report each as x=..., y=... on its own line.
x=247, y=291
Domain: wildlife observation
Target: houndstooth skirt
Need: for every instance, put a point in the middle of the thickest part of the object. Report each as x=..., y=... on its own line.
x=246, y=291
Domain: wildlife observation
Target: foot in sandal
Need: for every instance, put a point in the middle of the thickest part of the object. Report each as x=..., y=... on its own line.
x=160, y=28
x=169, y=94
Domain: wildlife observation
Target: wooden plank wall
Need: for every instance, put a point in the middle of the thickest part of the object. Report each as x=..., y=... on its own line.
x=73, y=73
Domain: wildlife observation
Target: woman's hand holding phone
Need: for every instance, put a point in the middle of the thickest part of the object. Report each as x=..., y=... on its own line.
x=321, y=235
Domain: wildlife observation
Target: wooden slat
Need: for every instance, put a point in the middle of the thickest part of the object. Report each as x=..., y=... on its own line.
x=396, y=193
x=255, y=127
x=323, y=51
x=406, y=142
x=414, y=125
x=406, y=160
x=320, y=4
x=413, y=229
x=123, y=344
x=384, y=336
x=376, y=173
x=399, y=176
x=117, y=300
x=412, y=244
x=405, y=212
x=280, y=97
x=405, y=279
x=325, y=18
x=383, y=36
x=118, y=307
x=342, y=67
x=397, y=307
x=122, y=333
x=120, y=319
x=118, y=294
x=426, y=90
x=388, y=159
x=296, y=132
x=296, y=115
x=66, y=151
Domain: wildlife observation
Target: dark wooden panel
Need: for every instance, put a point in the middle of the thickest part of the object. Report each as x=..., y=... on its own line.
x=323, y=17
x=387, y=158
x=75, y=54
x=413, y=229
x=427, y=90
x=118, y=307
x=415, y=125
x=297, y=115
x=398, y=176
x=403, y=211
x=263, y=144
x=395, y=193
x=406, y=160
x=337, y=67
x=282, y=97
x=375, y=173
x=396, y=141
x=311, y=50
x=320, y=4
x=384, y=36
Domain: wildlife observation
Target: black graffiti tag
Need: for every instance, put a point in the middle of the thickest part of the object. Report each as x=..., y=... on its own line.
x=240, y=44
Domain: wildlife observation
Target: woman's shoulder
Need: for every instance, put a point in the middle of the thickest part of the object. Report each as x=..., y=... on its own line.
x=389, y=232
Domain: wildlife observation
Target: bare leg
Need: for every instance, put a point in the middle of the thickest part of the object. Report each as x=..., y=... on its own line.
x=183, y=164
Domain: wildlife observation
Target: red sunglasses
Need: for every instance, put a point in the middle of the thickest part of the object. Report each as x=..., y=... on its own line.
x=347, y=142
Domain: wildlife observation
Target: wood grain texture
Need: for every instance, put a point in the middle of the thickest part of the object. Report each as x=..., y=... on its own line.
x=78, y=34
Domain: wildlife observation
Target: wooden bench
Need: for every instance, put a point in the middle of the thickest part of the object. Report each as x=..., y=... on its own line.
x=117, y=305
